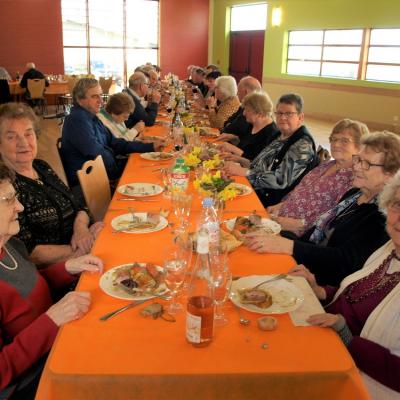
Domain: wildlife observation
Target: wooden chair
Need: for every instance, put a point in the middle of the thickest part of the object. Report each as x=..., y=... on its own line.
x=65, y=101
x=36, y=89
x=95, y=187
x=105, y=86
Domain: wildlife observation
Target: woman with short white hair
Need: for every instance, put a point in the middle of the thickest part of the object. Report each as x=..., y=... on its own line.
x=226, y=93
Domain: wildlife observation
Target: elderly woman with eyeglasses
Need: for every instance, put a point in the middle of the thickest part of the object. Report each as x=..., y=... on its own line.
x=323, y=186
x=54, y=226
x=364, y=309
x=29, y=320
x=346, y=235
x=226, y=93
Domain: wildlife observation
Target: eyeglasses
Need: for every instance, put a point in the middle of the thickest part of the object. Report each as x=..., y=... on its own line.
x=395, y=205
x=288, y=114
x=10, y=199
x=365, y=164
x=340, y=140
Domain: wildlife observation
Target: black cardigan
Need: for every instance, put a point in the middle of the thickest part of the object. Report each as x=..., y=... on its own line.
x=354, y=238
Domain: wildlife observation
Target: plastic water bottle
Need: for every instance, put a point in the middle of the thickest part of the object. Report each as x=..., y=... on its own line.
x=209, y=222
x=180, y=176
x=200, y=305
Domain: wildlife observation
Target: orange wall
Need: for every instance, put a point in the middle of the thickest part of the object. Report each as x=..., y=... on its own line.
x=31, y=30
x=183, y=34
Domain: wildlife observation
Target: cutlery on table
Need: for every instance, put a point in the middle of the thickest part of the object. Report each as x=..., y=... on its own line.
x=275, y=278
x=135, y=199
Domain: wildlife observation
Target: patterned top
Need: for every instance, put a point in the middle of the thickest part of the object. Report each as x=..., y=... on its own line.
x=118, y=130
x=49, y=208
x=316, y=193
x=225, y=110
x=294, y=163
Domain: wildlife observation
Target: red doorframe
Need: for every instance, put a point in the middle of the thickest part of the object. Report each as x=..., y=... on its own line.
x=246, y=54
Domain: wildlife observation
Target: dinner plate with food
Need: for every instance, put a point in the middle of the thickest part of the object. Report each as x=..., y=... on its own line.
x=239, y=226
x=140, y=189
x=140, y=222
x=135, y=281
x=242, y=190
x=156, y=156
x=274, y=297
x=206, y=131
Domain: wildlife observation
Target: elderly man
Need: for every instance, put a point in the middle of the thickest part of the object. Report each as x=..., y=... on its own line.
x=198, y=76
x=236, y=125
x=84, y=137
x=31, y=73
x=138, y=88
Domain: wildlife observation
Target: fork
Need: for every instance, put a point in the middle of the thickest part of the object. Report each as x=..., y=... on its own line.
x=275, y=278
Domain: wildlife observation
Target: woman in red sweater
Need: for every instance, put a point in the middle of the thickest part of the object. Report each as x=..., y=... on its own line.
x=29, y=320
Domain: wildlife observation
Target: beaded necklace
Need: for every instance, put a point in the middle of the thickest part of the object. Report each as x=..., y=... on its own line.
x=379, y=280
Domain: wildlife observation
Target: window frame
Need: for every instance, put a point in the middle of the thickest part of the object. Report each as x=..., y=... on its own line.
x=124, y=46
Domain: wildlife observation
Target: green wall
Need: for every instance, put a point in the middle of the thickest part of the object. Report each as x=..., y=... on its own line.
x=303, y=14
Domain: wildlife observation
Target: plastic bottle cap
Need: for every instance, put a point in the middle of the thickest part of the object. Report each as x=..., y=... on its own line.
x=208, y=202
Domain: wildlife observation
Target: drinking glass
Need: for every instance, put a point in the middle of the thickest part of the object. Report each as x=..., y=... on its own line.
x=174, y=275
x=166, y=180
x=182, y=205
x=178, y=141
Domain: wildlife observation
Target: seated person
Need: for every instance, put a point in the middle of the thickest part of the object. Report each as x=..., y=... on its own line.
x=84, y=137
x=211, y=68
x=226, y=93
x=116, y=111
x=197, y=79
x=29, y=321
x=210, y=83
x=138, y=88
x=346, y=235
x=262, y=128
x=236, y=124
x=280, y=166
x=364, y=309
x=31, y=73
x=54, y=227
x=322, y=188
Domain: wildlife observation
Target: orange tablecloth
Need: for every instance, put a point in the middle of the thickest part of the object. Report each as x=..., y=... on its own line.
x=130, y=357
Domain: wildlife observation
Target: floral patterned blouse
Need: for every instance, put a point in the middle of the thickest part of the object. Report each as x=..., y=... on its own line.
x=225, y=110
x=316, y=193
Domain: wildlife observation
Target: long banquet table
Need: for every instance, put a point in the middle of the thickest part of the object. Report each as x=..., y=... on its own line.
x=132, y=357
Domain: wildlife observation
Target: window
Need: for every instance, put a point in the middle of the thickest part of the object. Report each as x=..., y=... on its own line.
x=252, y=17
x=106, y=38
x=330, y=53
x=366, y=54
x=384, y=55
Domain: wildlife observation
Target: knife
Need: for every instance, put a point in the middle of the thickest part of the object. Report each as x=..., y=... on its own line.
x=111, y=314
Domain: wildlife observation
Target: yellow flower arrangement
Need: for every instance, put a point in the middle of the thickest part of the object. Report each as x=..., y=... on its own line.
x=214, y=184
x=193, y=158
x=213, y=163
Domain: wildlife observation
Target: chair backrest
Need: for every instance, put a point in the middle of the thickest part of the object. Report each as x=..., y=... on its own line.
x=61, y=171
x=95, y=187
x=36, y=88
x=71, y=82
x=105, y=84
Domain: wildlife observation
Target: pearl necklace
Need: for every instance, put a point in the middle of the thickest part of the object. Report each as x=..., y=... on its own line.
x=13, y=260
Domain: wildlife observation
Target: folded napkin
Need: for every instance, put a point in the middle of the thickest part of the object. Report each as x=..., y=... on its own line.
x=310, y=306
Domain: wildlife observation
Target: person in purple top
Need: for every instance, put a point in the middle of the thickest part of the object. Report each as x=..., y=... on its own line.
x=364, y=309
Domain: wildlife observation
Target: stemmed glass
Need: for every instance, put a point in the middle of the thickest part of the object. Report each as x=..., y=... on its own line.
x=166, y=179
x=181, y=204
x=221, y=280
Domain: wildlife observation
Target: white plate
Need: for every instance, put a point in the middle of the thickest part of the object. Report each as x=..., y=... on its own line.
x=140, y=189
x=266, y=222
x=156, y=156
x=107, y=279
x=286, y=296
x=244, y=188
x=117, y=223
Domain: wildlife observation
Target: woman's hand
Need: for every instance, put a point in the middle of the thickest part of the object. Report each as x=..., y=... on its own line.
x=211, y=102
x=82, y=239
x=323, y=320
x=274, y=210
x=71, y=307
x=96, y=228
x=301, y=270
x=234, y=169
x=290, y=224
x=84, y=263
x=226, y=137
x=262, y=242
x=230, y=148
x=139, y=126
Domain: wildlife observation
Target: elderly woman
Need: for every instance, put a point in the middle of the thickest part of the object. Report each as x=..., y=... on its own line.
x=210, y=82
x=226, y=93
x=29, y=320
x=364, y=310
x=346, y=235
x=322, y=187
x=279, y=167
x=116, y=111
x=261, y=130
x=54, y=227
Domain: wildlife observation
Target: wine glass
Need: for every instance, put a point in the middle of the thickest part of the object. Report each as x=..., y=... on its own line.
x=221, y=280
x=166, y=179
x=178, y=140
x=181, y=204
x=174, y=276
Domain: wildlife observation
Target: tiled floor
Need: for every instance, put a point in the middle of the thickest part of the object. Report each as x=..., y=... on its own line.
x=51, y=131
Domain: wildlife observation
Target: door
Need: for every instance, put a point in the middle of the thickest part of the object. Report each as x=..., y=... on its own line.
x=246, y=54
